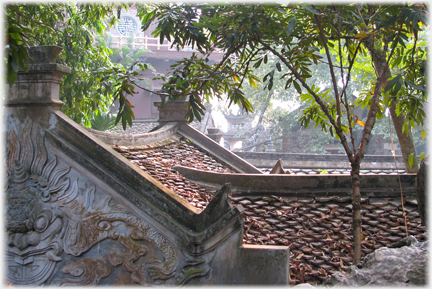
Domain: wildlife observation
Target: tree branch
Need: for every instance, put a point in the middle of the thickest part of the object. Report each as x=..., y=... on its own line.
x=224, y=59
x=370, y=121
x=324, y=108
x=31, y=20
x=345, y=85
x=395, y=42
x=335, y=88
x=345, y=97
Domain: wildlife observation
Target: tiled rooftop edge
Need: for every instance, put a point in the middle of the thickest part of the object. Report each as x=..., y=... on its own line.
x=157, y=135
x=372, y=185
x=217, y=151
x=170, y=129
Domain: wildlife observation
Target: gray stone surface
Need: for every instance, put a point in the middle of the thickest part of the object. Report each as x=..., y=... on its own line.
x=250, y=274
x=372, y=185
x=421, y=187
x=44, y=54
x=172, y=111
x=396, y=267
x=144, y=138
x=139, y=126
x=327, y=161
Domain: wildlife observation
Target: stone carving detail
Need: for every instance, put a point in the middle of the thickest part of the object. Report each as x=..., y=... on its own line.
x=90, y=272
x=35, y=225
x=54, y=210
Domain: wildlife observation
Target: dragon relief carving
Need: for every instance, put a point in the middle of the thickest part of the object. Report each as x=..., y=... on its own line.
x=89, y=271
x=49, y=215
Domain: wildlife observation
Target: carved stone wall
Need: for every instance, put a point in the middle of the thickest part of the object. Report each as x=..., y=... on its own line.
x=65, y=230
x=77, y=213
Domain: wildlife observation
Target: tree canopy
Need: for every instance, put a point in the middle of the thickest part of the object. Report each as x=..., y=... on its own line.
x=279, y=26
x=95, y=81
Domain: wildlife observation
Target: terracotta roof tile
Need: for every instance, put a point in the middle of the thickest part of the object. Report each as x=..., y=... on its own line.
x=326, y=240
x=316, y=229
x=157, y=160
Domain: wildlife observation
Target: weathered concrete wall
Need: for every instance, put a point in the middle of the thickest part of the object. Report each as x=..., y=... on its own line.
x=80, y=214
x=293, y=160
x=422, y=184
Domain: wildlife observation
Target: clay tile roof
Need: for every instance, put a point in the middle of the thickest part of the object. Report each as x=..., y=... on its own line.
x=157, y=160
x=318, y=232
x=316, y=229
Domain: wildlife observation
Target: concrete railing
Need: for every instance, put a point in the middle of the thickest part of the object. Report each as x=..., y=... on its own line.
x=151, y=43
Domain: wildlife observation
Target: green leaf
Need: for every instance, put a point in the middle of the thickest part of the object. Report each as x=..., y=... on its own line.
x=290, y=27
x=415, y=86
x=423, y=134
x=393, y=82
x=411, y=159
x=386, y=100
x=270, y=85
x=310, y=9
x=200, y=25
x=398, y=85
x=397, y=61
x=422, y=156
x=258, y=63
x=278, y=66
x=297, y=87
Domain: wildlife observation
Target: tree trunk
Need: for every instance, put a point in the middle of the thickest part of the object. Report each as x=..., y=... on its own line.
x=356, y=198
x=406, y=141
x=355, y=169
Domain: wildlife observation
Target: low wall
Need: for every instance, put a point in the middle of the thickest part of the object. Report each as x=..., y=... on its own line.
x=321, y=161
x=308, y=185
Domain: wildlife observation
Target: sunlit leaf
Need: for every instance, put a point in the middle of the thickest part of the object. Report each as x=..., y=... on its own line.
x=360, y=122
x=423, y=134
x=411, y=159
x=252, y=82
x=422, y=156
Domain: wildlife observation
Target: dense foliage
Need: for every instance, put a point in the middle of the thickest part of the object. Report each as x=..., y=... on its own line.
x=95, y=81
